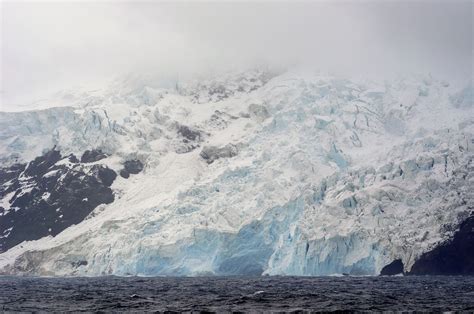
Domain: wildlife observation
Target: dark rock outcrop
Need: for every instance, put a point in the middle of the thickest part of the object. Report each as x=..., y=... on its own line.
x=93, y=155
x=79, y=263
x=220, y=120
x=220, y=90
x=212, y=153
x=40, y=165
x=45, y=197
x=8, y=175
x=124, y=174
x=105, y=174
x=72, y=158
x=190, y=139
x=394, y=268
x=188, y=133
x=131, y=167
x=454, y=257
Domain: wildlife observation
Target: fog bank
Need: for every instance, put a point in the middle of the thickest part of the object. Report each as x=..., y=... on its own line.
x=51, y=45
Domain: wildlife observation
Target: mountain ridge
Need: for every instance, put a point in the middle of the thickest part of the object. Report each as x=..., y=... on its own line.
x=257, y=173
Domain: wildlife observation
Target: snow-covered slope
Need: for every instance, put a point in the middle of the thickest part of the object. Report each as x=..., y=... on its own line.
x=256, y=173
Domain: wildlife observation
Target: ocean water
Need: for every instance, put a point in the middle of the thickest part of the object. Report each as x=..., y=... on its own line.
x=223, y=294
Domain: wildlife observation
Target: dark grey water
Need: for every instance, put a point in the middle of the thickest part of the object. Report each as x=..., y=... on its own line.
x=237, y=294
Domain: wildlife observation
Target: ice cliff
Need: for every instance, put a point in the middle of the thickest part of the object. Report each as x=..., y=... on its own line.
x=250, y=173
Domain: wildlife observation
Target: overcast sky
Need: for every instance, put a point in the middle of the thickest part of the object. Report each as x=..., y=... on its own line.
x=50, y=45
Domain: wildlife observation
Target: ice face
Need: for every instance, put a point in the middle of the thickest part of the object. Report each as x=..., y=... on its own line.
x=315, y=176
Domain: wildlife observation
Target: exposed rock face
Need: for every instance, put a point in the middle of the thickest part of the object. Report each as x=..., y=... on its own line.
x=212, y=153
x=131, y=167
x=220, y=120
x=93, y=155
x=394, y=268
x=454, y=257
x=49, y=194
x=188, y=133
x=10, y=173
x=226, y=87
x=190, y=139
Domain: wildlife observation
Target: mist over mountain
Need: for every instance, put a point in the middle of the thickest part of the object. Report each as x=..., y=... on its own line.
x=48, y=47
x=236, y=139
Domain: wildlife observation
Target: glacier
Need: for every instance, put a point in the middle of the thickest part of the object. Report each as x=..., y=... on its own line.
x=256, y=173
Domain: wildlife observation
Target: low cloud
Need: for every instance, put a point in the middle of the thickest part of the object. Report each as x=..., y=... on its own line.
x=52, y=45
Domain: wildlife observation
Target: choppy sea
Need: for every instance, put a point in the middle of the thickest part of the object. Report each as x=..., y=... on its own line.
x=237, y=294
